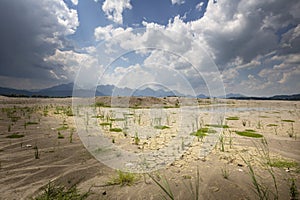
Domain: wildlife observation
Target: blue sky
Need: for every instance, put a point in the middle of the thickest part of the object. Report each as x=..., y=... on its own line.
x=248, y=47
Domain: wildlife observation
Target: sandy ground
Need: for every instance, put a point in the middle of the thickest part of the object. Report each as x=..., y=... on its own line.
x=66, y=162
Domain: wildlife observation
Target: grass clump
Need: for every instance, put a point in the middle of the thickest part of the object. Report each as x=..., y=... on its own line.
x=165, y=187
x=203, y=132
x=288, y=120
x=117, y=119
x=249, y=133
x=62, y=128
x=161, y=127
x=294, y=194
x=61, y=193
x=193, y=188
x=98, y=116
x=271, y=125
x=232, y=118
x=15, y=135
x=31, y=123
x=280, y=163
x=60, y=136
x=217, y=125
x=225, y=172
x=115, y=129
x=105, y=124
x=123, y=178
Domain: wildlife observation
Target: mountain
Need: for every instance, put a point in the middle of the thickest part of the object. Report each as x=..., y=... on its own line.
x=109, y=90
x=66, y=90
x=10, y=92
x=293, y=97
x=286, y=97
x=234, y=95
x=62, y=90
x=202, y=96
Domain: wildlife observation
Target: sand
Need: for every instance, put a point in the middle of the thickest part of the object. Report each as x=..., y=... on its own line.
x=66, y=162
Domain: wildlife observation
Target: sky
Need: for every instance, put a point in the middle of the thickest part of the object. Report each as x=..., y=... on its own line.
x=250, y=47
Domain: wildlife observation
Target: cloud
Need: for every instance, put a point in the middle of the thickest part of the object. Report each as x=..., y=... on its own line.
x=75, y=2
x=244, y=29
x=30, y=31
x=114, y=9
x=171, y=49
x=252, y=45
x=177, y=2
x=199, y=6
x=241, y=37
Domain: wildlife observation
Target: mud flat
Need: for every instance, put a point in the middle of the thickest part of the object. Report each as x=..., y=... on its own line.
x=51, y=140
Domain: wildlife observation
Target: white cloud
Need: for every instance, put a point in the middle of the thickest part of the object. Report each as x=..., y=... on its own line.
x=114, y=9
x=178, y=2
x=67, y=18
x=199, y=6
x=70, y=63
x=240, y=36
x=75, y=2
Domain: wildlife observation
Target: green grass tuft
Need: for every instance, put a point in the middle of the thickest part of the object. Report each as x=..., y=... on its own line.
x=123, y=178
x=31, y=123
x=217, y=125
x=287, y=120
x=203, y=132
x=280, y=163
x=249, y=133
x=105, y=124
x=61, y=193
x=232, y=118
x=115, y=129
x=270, y=125
x=63, y=127
x=15, y=135
x=117, y=119
x=60, y=136
x=161, y=127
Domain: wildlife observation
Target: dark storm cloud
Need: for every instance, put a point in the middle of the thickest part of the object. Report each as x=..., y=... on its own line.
x=251, y=28
x=30, y=31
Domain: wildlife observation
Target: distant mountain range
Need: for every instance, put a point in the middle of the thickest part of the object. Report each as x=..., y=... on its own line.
x=66, y=90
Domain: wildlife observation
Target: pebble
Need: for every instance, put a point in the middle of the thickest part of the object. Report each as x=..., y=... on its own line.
x=214, y=189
